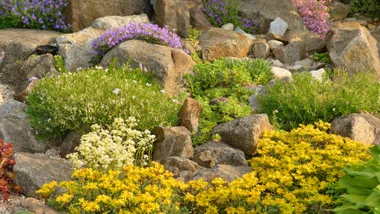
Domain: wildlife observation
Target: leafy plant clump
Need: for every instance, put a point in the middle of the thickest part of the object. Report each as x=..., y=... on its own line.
x=220, y=12
x=315, y=15
x=322, y=57
x=149, y=32
x=306, y=100
x=75, y=101
x=294, y=173
x=114, y=146
x=37, y=14
x=222, y=87
x=369, y=8
x=7, y=176
x=363, y=186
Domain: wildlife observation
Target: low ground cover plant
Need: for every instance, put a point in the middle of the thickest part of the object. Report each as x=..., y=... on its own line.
x=114, y=146
x=220, y=12
x=151, y=33
x=306, y=100
x=369, y=8
x=75, y=101
x=222, y=87
x=363, y=186
x=7, y=176
x=37, y=14
x=315, y=15
x=295, y=172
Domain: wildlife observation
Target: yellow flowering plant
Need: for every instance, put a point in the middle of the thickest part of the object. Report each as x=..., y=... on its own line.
x=294, y=172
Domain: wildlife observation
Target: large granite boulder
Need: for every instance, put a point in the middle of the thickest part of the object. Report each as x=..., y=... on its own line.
x=292, y=52
x=32, y=171
x=189, y=114
x=215, y=153
x=197, y=16
x=313, y=43
x=353, y=48
x=83, y=13
x=168, y=65
x=263, y=12
x=218, y=42
x=15, y=128
x=172, y=141
x=177, y=164
x=174, y=14
x=244, y=133
x=226, y=172
x=19, y=44
x=109, y=22
x=362, y=127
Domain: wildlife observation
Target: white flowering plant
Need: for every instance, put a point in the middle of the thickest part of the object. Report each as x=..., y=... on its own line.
x=114, y=146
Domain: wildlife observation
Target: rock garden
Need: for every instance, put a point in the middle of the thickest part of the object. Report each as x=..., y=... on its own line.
x=189, y=106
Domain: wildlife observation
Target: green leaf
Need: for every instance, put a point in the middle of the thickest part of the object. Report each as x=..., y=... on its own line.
x=355, y=198
x=364, y=174
x=373, y=200
x=375, y=152
x=354, y=189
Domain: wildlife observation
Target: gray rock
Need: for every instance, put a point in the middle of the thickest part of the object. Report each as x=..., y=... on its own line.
x=168, y=65
x=85, y=12
x=278, y=26
x=36, y=207
x=274, y=44
x=174, y=14
x=294, y=51
x=228, y=26
x=280, y=73
x=35, y=66
x=277, y=63
x=263, y=12
x=190, y=114
x=318, y=74
x=75, y=47
x=239, y=30
x=250, y=36
x=295, y=68
x=172, y=141
x=22, y=93
x=361, y=127
x=68, y=145
x=243, y=133
x=15, y=128
x=376, y=34
x=305, y=63
x=226, y=172
x=19, y=44
x=260, y=49
x=215, y=153
x=197, y=16
x=353, y=48
x=33, y=171
x=311, y=40
x=110, y=22
x=339, y=11
x=217, y=43
x=178, y=164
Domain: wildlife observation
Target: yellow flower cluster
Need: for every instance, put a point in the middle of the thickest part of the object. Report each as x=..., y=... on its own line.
x=291, y=175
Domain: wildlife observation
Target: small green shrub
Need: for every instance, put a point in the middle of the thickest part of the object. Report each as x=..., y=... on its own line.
x=363, y=186
x=322, y=57
x=114, y=146
x=370, y=8
x=228, y=81
x=306, y=100
x=75, y=101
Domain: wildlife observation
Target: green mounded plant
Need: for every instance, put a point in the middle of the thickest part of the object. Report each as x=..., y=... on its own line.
x=370, y=8
x=306, y=100
x=363, y=186
x=75, y=101
x=222, y=87
x=322, y=57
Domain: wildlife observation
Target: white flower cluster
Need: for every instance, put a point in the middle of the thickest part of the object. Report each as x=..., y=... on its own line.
x=114, y=147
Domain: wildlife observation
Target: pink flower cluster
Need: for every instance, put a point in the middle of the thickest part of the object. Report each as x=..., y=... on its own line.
x=149, y=32
x=315, y=15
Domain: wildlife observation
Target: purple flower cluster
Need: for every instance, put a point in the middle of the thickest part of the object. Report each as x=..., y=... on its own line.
x=315, y=15
x=149, y=32
x=39, y=14
x=220, y=12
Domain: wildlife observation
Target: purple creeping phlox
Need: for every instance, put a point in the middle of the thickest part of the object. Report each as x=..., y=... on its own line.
x=220, y=12
x=315, y=15
x=39, y=14
x=149, y=32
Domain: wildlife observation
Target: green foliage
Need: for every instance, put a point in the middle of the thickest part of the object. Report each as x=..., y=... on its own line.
x=74, y=101
x=222, y=87
x=193, y=36
x=322, y=57
x=306, y=100
x=363, y=186
x=60, y=63
x=370, y=8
